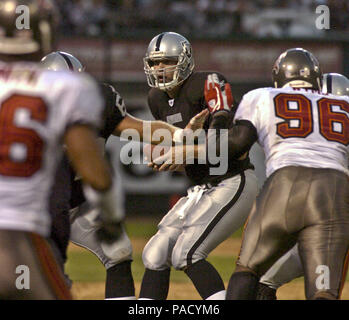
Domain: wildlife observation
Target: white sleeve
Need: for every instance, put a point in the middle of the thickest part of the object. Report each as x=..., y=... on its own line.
x=248, y=107
x=83, y=102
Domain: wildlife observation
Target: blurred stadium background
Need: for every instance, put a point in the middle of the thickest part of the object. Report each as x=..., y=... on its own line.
x=238, y=38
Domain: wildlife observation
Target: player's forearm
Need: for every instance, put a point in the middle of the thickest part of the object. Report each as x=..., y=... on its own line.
x=160, y=132
x=87, y=157
x=153, y=132
x=220, y=120
x=197, y=151
x=238, y=141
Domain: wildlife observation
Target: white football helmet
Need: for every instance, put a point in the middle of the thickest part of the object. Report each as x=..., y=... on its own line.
x=168, y=46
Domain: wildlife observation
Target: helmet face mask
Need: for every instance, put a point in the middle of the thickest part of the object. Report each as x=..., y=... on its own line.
x=297, y=68
x=174, y=51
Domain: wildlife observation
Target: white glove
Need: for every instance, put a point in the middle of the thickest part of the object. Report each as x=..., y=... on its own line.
x=110, y=216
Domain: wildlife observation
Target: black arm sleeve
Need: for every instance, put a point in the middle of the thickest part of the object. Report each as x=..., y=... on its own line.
x=221, y=120
x=114, y=110
x=240, y=139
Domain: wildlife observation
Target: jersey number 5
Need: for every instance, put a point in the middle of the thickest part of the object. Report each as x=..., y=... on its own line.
x=21, y=148
x=296, y=110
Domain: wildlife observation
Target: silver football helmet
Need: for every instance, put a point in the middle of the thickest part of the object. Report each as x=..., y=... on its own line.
x=335, y=83
x=59, y=60
x=168, y=46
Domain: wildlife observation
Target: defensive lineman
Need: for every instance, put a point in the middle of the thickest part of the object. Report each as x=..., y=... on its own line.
x=305, y=137
x=289, y=266
x=38, y=110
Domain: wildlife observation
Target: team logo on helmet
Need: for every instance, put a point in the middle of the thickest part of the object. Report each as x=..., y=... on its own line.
x=304, y=72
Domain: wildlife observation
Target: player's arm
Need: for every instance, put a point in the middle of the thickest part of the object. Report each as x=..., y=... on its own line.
x=238, y=142
x=86, y=157
x=130, y=122
x=240, y=139
x=220, y=102
x=118, y=120
x=243, y=134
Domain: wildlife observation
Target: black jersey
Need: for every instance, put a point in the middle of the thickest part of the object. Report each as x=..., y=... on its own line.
x=114, y=110
x=178, y=111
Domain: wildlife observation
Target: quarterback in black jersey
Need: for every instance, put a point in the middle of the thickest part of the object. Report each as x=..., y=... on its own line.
x=178, y=111
x=67, y=193
x=216, y=205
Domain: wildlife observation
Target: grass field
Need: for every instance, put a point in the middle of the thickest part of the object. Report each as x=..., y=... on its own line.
x=88, y=274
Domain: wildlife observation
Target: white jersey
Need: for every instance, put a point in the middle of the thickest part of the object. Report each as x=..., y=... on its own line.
x=36, y=107
x=299, y=127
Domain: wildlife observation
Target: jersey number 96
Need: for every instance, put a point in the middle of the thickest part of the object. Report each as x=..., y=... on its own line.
x=296, y=110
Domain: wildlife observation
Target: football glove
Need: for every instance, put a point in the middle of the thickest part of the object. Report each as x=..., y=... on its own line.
x=217, y=98
x=110, y=218
x=109, y=232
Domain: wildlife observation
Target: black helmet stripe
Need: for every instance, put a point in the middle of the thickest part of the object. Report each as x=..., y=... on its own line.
x=67, y=60
x=329, y=83
x=158, y=41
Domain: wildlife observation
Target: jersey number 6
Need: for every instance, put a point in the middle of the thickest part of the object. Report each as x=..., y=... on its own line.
x=21, y=148
x=296, y=110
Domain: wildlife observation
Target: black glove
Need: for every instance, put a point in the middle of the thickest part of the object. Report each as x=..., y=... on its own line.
x=109, y=232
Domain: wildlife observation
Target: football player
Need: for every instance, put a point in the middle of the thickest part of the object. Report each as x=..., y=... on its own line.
x=216, y=205
x=39, y=110
x=305, y=199
x=289, y=266
x=335, y=83
x=67, y=192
